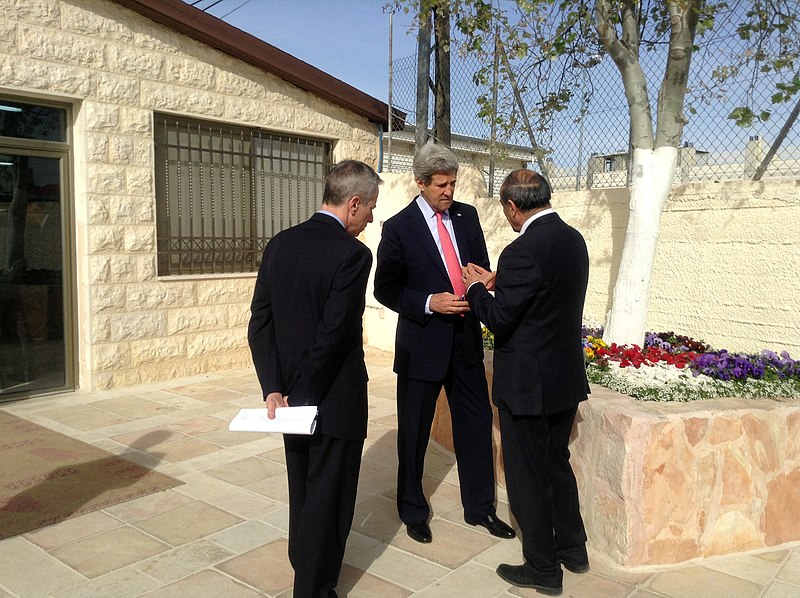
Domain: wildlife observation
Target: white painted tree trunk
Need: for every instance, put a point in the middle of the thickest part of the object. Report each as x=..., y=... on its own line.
x=653, y=172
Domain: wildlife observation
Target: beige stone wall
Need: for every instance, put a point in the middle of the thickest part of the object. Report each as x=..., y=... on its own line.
x=116, y=67
x=726, y=269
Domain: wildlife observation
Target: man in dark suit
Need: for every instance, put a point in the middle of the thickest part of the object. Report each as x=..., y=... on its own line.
x=305, y=336
x=438, y=342
x=539, y=376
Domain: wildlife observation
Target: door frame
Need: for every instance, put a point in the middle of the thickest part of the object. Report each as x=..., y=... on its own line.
x=63, y=151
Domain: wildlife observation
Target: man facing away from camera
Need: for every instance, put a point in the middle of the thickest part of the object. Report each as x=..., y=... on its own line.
x=539, y=376
x=305, y=336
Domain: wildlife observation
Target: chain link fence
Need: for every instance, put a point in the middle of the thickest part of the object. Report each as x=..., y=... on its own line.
x=586, y=144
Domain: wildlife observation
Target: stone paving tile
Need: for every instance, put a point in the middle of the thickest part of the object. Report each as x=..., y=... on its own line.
x=147, y=506
x=133, y=408
x=84, y=417
x=226, y=438
x=377, y=518
x=198, y=425
x=353, y=582
x=507, y=551
x=746, y=567
x=790, y=571
x=591, y=584
x=780, y=589
x=72, y=529
x=187, y=522
x=442, y=496
x=399, y=567
x=382, y=481
x=204, y=583
x=177, y=447
x=123, y=582
x=197, y=485
x=773, y=556
x=275, y=487
x=184, y=560
x=243, y=503
x=277, y=454
x=471, y=579
x=17, y=548
x=278, y=519
x=246, y=536
x=699, y=581
x=108, y=551
x=266, y=568
x=246, y=471
x=452, y=545
x=39, y=575
x=358, y=543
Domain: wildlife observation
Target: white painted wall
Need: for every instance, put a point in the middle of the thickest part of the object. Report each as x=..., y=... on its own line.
x=727, y=266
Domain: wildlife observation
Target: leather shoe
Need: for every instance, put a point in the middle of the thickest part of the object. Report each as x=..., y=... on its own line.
x=419, y=531
x=496, y=527
x=517, y=576
x=575, y=567
x=574, y=558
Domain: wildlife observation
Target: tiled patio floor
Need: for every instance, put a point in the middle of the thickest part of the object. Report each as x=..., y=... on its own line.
x=223, y=532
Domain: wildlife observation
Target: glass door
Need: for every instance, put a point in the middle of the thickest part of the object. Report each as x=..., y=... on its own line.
x=34, y=331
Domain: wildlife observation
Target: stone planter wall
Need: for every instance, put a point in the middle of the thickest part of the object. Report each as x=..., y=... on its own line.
x=664, y=483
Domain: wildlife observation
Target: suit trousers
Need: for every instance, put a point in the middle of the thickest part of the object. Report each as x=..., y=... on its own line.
x=542, y=490
x=323, y=479
x=471, y=415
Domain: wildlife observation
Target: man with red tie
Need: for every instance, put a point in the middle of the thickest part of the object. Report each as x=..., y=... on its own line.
x=438, y=342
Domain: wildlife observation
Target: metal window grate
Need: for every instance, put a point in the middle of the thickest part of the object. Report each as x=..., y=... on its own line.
x=223, y=191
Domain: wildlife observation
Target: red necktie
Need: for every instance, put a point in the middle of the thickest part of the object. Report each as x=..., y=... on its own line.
x=450, y=258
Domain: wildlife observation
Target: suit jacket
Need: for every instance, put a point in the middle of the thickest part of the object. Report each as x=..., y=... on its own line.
x=305, y=331
x=536, y=317
x=409, y=268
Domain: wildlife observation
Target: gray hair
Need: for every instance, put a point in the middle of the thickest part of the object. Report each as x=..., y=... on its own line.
x=434, y=159
x=349, y=178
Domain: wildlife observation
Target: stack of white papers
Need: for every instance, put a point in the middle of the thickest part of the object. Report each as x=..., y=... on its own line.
x=288, y=420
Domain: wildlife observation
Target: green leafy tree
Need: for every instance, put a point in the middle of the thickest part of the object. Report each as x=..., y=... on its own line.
x=548, y=50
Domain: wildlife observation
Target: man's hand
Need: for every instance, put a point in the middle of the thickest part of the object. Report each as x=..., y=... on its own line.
x=447, y=303
x=474, y=273
x=274, y=400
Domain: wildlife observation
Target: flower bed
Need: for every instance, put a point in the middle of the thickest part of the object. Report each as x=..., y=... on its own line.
x=671, y=367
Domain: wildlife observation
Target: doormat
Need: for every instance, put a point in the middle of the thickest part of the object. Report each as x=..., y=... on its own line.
x=47, y=477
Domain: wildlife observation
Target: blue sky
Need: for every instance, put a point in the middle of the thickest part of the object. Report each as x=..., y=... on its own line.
x=348, y=39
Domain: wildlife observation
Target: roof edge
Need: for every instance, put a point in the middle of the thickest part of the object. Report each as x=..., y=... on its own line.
x=218, y=34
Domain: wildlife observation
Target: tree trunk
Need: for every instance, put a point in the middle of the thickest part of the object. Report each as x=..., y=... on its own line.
x=441, y=25
x=653, y=171
x=423, y=77
x=654, y=156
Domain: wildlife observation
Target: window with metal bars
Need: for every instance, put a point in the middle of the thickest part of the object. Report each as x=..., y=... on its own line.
x=223, y=191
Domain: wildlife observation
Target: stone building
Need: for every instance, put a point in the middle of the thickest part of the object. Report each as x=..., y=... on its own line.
x=147, y=151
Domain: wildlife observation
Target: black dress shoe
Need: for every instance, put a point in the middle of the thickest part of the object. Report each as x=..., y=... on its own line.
x=574, y=559
x=575, y=567
x=497, y=527
x=419, y=531
x=516, y=575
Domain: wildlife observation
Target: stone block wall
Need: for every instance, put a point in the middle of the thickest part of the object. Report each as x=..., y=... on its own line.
x=115, y=68
x=664, y=483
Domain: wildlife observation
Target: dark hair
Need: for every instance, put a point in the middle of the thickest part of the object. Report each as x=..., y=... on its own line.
x=434, y=158
x=527, y=189
x=349, y=178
